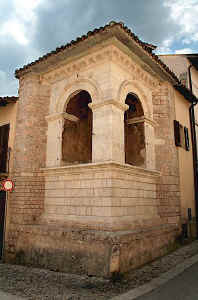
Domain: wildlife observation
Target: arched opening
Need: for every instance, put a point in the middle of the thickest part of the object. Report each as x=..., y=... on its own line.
x=77, y=132
x=134, y=132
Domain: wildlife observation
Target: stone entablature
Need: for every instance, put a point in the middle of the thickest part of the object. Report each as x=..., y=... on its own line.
x=112, y=51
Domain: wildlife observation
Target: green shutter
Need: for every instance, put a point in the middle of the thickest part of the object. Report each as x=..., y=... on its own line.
x=187, y=143
x=177, y=133
x=4, y=135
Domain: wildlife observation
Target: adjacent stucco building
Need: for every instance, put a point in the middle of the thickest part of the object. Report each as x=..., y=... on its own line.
x=185, y=67
x=8, y=110
x=98, y=176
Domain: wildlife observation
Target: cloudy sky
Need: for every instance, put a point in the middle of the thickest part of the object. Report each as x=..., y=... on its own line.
x=31, y=28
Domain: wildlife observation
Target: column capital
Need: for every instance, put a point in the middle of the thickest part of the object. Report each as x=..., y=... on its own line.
x=55, y=116
x=70, y=117
x=121, y=106
x=142, y=119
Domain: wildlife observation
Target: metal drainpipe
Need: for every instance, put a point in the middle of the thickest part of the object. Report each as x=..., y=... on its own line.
x=194, y=149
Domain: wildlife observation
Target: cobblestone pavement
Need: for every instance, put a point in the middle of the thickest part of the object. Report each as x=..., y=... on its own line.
x=39, y=284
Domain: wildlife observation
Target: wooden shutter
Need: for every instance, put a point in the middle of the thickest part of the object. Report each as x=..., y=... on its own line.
x=187, y=143
x=4, y=135
x=177, y=133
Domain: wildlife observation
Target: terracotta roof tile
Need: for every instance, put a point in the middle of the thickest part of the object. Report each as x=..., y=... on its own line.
x=146, y=46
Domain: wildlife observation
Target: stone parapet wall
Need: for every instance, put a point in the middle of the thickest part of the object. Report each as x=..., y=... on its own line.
x=103, y=196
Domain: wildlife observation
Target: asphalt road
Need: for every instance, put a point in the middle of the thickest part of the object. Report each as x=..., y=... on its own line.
x=182, y=287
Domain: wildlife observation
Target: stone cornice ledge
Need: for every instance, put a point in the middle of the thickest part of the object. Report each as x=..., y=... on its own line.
x=101, y=166
x=142, y=119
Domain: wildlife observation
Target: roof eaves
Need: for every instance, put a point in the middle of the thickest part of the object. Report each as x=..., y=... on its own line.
x=8, y=100
x=148, y=48
x=188, y=95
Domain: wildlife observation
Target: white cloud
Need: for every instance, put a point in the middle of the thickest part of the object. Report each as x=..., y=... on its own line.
x=184, y=13
x=184, y=51
x=21, y=22
x=8, y=87
x=25, y=9
x=15, y=29
x=165, y=46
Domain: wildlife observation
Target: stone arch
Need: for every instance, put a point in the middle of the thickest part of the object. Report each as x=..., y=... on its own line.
x=74, y=88
x=56, y=120
x=135, y=87
x=134, y=133
x=77, y=130
x=145, y=96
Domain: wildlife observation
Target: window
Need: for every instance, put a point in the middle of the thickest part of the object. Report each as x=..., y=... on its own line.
x=77, y=132
x=181, y=136
x=4, y=135
x=135, y=152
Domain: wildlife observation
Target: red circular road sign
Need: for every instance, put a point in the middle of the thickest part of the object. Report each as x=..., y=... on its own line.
x=7, y=185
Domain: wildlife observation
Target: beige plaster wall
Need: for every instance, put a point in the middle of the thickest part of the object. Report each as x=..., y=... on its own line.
x=185, y=158
x=177, y=63
x=194, y=76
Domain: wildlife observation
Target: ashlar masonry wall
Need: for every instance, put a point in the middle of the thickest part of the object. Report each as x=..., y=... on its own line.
x=168, y=188
x=106, y=216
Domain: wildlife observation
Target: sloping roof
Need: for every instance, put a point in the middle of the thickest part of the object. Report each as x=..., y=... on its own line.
x=148, y=48
x=113, y=28
x=6, y=100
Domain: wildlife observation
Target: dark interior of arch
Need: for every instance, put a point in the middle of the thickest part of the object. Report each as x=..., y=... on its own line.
x=77, y=135
x=134, y=132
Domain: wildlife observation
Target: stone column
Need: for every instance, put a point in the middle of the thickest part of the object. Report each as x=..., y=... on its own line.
x=54, y=139
x=108, y=131
x=150, y=143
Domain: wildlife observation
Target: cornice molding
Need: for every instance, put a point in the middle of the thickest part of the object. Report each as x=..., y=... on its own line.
x=101, y=167
x=110, y=53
